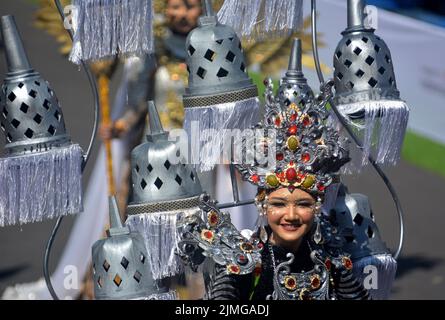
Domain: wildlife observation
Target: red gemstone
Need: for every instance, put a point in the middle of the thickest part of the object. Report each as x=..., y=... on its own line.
x=347, y=263
x=291, y=282
x=293, y=117
x=291, y=174
x=260, y=245
x=213, y=219
x=321, y=187
x=208, y=234
x=292, y=130
x=278, y=121
x=305, y=157
x=291, y=163
x=315, y=283
x=255, y=178
x=234, y=269
x=328, y=264
x=280, y=156
x=306, y=121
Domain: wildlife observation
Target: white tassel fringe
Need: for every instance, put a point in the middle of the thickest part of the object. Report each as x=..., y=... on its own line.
x=39, y=186
x=161, y=238
x=106, y=28
x=386, y=267
x=382, y=132
x=212, y=128
x=171, y=295
x=261, y=19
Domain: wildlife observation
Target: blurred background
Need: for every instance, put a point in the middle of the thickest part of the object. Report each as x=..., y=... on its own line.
x=414, y=31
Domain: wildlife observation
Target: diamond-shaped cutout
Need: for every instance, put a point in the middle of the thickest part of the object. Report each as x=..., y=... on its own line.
x=100, y=282
x=192, y=176
x=142, y=258
x=347, y=63
x=124, y=262
x=178, y=179
x=32, y=93
x=51, y=130
x=24, y=107
x=106, y=266
x=359, y=73
x=240, y=46
x=137, y=276
x=201, y=72
x=370, y=232
x=391, y=81
x=143, y=184
x=8, y=137
x=149, y=168
x=231, y=38
x=348, y=42
x=372, y=82
x=5, y=112
x=46, y=104
x=219, y=41
x=37, y=118
x=158, y=183
x=191, y=50
x=2, y=126
x=230, y=56
x=340, y=75
x=37, y=83
x=382, y=70
x=369, y=60
x=20, y=85
x=357, y=51
x=29, y=133
x=242, y=67
x=338, y=54
x=358, y=219
x=57, y=115
x=377, y=48
x=15, y=123
x=222, y=73
x=167, y=164
x=365, y=40
x=287, y=102
x=136, y=168
x=11, y=96
x=117, y=280
x=350, y=84
x=210, y=55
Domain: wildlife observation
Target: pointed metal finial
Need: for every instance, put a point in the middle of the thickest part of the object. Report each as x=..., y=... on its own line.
x=154, y=120
x=356, y=14
x=295, y=56
x=116, y=227
x=207, y=8
x=16, y=57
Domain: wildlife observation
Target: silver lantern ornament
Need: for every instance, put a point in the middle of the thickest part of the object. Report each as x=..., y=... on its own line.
x=262, y=19
x=164, y=189
x=365, y=89
x=106, y=28
x=40, y=174
x=373, y=264
x=220, y=95
x=293, y=86
x=121, y=269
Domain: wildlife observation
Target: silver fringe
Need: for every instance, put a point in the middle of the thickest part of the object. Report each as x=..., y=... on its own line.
x=386, y=267
x=213, y=126
x=105, y=28
x=171, y=295
x=382, y=131
x=39, y=186
x=161, y=238
x=260, y=19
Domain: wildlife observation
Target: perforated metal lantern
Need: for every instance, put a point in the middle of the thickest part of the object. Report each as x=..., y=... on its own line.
x=220, y=95
x=293, y=86
x=40, y=177
x=163, y=187
x=365, y=88
x=121, y=269
x=368, y=251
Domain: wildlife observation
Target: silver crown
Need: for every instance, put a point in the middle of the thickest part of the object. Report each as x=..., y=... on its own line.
x=363, y=64
x=121, y=269
x=30, y=115
x=216, y=65
x=160, y=180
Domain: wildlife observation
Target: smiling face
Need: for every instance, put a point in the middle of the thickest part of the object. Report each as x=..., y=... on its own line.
x=182, y=15
x=290, y=216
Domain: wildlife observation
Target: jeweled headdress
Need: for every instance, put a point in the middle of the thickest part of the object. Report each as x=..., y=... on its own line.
x=308, y=152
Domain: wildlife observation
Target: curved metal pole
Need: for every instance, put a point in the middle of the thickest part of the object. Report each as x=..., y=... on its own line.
x=86, y=157
x=353, y=136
